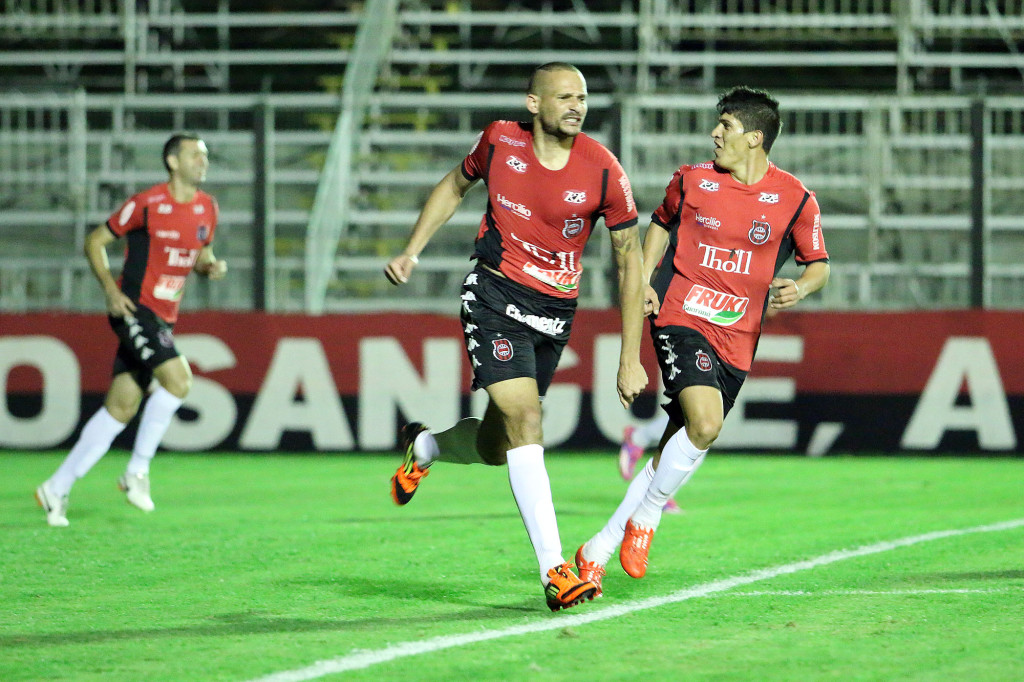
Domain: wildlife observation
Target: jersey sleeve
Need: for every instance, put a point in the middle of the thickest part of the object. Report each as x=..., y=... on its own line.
x=807, y=237
x=127, y=218
x=474, y=166
x=668, y=213
x=619, y=209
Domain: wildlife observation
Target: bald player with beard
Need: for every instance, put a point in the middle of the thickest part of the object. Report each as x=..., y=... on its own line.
x=548, y=183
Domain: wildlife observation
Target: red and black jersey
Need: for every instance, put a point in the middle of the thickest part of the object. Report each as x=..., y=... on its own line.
x=164, y=241
x=538, y=220
x=727, y=241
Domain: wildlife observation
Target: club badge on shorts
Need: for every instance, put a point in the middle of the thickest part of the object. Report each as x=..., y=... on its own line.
x=502, y=349
x=703, y=361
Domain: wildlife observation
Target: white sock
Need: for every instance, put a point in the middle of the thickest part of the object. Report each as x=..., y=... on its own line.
x=532, y=489
x=456, y=445
x=97, y=435
x=156, y=417
x=602, y=546
x=679, y=460
x=650, y=432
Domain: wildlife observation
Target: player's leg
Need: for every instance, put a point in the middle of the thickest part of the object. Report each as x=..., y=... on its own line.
x=120, y=405
x=174, y=379
x=517, y=404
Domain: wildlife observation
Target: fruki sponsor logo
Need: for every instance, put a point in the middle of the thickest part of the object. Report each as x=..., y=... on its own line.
x=715, y=306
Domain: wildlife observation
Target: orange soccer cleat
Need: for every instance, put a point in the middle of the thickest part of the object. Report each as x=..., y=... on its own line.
x=565, y=589
x=407, y=478
x=590, y=570
x=636, y=543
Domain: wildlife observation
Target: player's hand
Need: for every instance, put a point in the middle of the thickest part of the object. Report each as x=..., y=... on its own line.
x=400, y=268
x=214, y=269
x=631, y=381
x=784, y=293
x=119, y=305
x=652, y=304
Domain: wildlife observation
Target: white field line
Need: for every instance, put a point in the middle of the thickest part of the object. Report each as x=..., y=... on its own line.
x=360, y=659
x=849, y=593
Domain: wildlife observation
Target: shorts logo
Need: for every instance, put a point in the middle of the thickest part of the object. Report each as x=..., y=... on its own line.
x=573, y=227
x=760, y=232
x=516, y=164
x=202, y=233
x=708, y=185
x=166, y=338
x=502, y=349
x=703, y=361
x=768, y=198
x=574, y=197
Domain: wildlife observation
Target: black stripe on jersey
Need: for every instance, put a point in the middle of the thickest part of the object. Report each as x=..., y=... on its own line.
x=662, y=276
x=786, y=246
x=679, y=209
x=136, y=258
x=489, y=247
x=604, y=186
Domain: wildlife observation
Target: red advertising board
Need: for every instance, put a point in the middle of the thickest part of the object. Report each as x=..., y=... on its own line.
x=947, y=381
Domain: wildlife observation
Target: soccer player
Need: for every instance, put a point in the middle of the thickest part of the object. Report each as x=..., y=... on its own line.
x=547, y=183
x=169, y=229
x=720, y=237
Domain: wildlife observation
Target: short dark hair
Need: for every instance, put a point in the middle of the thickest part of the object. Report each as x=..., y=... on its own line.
x=531, y=87
x=173, y=145
x=755, y=109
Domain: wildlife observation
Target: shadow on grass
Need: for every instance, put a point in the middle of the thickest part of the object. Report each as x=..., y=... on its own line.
x=257, y=623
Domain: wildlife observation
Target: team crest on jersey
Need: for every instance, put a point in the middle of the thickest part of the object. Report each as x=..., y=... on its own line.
x=708, y=185
x=202, y=233
x=516, y=164
x=573, y=227
x=198, y=209
x=760, y=232
x=703, y=361
x=768, y=198
x=502, y=349
x=574, y=197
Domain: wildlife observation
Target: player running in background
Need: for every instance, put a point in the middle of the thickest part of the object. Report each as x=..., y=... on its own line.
x=721, y=235
x=169, y=230
x=548, y=183
x=637, y=439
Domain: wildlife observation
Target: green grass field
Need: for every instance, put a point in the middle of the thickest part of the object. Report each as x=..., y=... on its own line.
x=257, y=566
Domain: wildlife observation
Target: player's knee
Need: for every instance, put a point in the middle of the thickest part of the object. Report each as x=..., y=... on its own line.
x=177, y=386
x=122, y=410
x=702, y=432
x=523, y=425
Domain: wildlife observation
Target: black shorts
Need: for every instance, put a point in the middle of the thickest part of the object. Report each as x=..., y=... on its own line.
x=146, y=343
x=512, y=331
x=687, y=359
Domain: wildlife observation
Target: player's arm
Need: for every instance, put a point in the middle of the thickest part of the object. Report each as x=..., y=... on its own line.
x=439, y=208
x=655, y=243
x=632, y=379
x=96, y=242
x=786, y=292
x=207, y=264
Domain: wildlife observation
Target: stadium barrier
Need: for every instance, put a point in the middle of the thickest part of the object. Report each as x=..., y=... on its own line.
x=916, y=382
